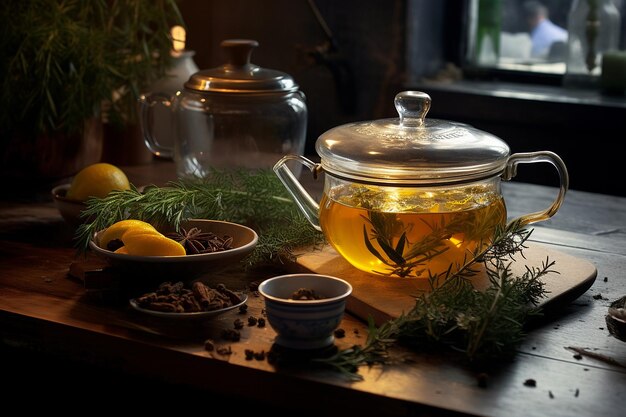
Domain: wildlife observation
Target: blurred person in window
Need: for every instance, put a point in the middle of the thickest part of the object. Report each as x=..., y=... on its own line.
x=548, y=39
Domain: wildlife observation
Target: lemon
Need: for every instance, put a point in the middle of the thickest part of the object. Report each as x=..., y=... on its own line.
x=116, y=230
x=153, y=245
x=97, y=180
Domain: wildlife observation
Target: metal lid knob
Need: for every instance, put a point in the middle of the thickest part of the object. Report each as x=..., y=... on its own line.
x=239, y=76
x=239, y=51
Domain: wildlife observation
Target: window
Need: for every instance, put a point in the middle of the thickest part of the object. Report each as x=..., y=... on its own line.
x=520, y=36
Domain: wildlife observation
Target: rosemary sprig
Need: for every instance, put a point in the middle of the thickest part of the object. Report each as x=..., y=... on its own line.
x=406, y=257
x=481, y=324
x=60, y=60
x=256, y=199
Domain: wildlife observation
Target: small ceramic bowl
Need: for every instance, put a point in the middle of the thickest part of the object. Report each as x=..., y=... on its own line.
x=70, y=209
x=305, y=324
x=183, y=268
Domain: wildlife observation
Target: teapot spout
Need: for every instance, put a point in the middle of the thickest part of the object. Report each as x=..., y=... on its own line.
x=303, y=199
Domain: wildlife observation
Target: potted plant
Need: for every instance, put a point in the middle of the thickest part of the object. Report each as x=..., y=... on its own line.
x=60, y=63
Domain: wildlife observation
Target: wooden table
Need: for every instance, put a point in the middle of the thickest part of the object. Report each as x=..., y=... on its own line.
x=44, y=310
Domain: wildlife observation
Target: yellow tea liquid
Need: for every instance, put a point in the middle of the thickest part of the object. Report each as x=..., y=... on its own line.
x=408, y=233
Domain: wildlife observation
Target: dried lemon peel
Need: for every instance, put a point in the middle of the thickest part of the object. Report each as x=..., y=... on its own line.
x=117, y=230
x=141, y=239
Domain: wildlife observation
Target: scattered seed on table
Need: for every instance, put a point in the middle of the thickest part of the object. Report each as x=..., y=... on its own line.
x=530, y=383
x=238, y=324
x=550, y=394
x=243, y=309
x=259, y=356
x=252, y=321
x=578, y=356
x=224, y=350
x=230, y=334
x=261, y=322
x=209, y=346
x=577, y=392
x=249, y=354
x=340, y=333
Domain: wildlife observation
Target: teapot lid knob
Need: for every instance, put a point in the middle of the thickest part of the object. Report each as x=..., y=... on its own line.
x=412, y=107
x=239, y=51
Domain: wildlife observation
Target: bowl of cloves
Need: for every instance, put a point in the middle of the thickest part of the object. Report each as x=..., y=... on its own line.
x=206, y=246
x=195, y=302
x=305, y=309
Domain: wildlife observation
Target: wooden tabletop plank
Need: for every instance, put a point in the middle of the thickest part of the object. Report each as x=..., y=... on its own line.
x=41, y=306
x=582, y=212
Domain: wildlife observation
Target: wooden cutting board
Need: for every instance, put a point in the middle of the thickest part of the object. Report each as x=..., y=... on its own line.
x=384, y=298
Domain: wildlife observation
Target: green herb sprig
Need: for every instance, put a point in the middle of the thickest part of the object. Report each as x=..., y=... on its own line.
x=453, y=314
x=60, y=60
x=410, y=258
x=256, y=199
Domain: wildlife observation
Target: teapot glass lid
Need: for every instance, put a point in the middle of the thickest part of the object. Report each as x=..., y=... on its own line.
x=411, y=149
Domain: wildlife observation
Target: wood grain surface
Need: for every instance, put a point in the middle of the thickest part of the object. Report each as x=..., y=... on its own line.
x=385, y=298
x=45, y=309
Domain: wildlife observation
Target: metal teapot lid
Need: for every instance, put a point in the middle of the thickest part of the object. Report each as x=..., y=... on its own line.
x=238, y=75
x=411, y=150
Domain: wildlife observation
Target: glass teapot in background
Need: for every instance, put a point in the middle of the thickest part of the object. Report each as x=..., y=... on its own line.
x=238, y=115
x=412, y=197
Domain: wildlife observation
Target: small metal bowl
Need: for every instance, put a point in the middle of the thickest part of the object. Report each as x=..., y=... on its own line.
x=305, y=324
x=188, y=317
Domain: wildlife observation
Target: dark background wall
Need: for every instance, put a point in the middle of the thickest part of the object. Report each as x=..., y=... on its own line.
x=386, y=46
x=356, y=82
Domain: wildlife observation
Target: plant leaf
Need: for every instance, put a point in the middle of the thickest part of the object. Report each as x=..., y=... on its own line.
x=401, y=242
x=391, y=253
x=372, y=249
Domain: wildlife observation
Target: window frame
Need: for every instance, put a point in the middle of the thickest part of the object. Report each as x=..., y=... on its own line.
x=456, y=48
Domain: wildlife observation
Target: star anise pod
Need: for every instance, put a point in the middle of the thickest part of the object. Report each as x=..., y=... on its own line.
x=196, y=241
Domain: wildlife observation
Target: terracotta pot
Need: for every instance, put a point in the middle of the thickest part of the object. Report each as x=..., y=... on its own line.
x=47, y=158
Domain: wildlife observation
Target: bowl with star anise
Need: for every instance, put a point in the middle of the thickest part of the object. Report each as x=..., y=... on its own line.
x=197, y=248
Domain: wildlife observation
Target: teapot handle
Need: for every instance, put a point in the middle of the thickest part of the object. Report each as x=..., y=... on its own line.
x=303, y=199
x=147, y=122
x=531, y=157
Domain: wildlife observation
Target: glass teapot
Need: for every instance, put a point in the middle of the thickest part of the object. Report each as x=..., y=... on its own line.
x=235, y=115
x=412, y=197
